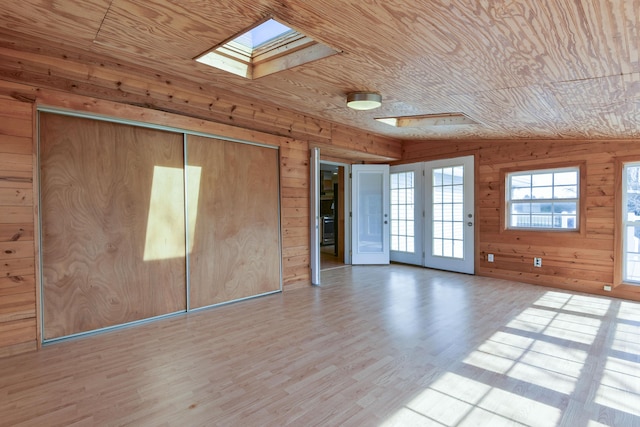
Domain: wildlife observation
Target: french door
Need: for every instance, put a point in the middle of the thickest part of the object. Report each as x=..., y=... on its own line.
x=432, y=217
x=407, y=208
x=450, y=222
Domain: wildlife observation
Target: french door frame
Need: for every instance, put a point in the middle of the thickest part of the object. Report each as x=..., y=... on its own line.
x=423, y=255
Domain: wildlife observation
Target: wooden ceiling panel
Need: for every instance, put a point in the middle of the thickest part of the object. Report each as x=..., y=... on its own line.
x=517, y=111
x=63, y=20
x=609, y=103
x=174, y=29
x=524, y=69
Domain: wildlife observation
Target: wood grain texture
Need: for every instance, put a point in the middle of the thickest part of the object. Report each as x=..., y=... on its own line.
x=97, y=210
x=15, y=232
x=526, y=69
x=294, y=191
x=17, y=246
x=236, y=242
x=179, y=95
x=17, y=332
x=583, y=261
x=294, y=158
x=374, y=346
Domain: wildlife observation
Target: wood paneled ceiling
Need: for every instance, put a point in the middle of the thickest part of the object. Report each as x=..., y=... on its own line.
x=520, y=68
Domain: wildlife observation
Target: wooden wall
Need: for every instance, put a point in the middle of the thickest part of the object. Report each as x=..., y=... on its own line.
x=18, y=325
x=30, y=77
x=578, y=261
x=100, y=79
x=17, y=229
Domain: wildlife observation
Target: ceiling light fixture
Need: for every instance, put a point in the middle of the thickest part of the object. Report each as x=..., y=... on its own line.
x=364, y=100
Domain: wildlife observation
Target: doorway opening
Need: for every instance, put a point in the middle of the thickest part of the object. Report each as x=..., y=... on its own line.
x=333, y=215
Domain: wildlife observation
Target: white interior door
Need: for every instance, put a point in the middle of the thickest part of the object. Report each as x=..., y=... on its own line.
x=450, y=222
x=370, y=214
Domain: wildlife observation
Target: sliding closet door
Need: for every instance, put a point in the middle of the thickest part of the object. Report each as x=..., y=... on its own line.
x=232, y=196
x=113, y=237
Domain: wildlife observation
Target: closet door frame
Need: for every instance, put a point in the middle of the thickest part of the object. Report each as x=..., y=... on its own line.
x=185, y=134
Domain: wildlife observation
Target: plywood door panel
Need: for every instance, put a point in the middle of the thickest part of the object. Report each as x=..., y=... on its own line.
x=112, y=224
x=236, y=250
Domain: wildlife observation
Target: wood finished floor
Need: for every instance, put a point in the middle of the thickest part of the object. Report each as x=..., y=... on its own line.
x=391, y=346
x=328, y=260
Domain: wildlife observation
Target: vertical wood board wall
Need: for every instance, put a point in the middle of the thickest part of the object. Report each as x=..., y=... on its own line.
x=578, y=261
x=17, y=229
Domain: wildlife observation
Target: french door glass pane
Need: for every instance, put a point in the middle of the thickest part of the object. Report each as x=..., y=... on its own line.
x=447, y=212
x=402, y=208
x=371, y=211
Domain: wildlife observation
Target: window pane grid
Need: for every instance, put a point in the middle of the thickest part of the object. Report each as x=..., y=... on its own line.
x=631, y=223
x=402, y=211
x=543, y=199
x=447, y=217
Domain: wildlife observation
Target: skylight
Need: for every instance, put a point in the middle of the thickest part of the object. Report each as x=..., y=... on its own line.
x=264, y=49
x=262, y=34
x=428, y=120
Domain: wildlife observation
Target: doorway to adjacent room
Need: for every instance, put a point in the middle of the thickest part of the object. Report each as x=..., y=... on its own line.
x=333, y=215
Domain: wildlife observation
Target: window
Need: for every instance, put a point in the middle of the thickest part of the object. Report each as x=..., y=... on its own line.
x=543, y=199
x=402, y=211
x=631, y=222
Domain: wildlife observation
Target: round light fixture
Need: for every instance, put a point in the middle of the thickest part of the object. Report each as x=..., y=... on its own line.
x=364, y=100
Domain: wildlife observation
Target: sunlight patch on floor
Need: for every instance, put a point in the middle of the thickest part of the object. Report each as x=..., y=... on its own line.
x=557, y=325
x=545, y=346
x=541, y=363
x=455, y=400
x=576, y=303
x=629, y=311
x=620, y=385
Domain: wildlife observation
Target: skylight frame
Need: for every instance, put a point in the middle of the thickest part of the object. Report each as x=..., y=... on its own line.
x=429, y=120
x=265, y=58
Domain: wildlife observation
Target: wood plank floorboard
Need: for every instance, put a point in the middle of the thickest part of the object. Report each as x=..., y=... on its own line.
x=374, y=346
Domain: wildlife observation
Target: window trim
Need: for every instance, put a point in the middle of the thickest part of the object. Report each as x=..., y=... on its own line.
x=538, y=167
x=618, y=251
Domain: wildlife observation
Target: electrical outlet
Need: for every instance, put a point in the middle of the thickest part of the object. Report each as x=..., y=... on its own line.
x=607, y=288
x=537, y=262
x=490, y=257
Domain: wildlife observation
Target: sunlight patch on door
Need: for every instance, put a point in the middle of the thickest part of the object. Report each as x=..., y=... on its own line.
x=165, y=238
